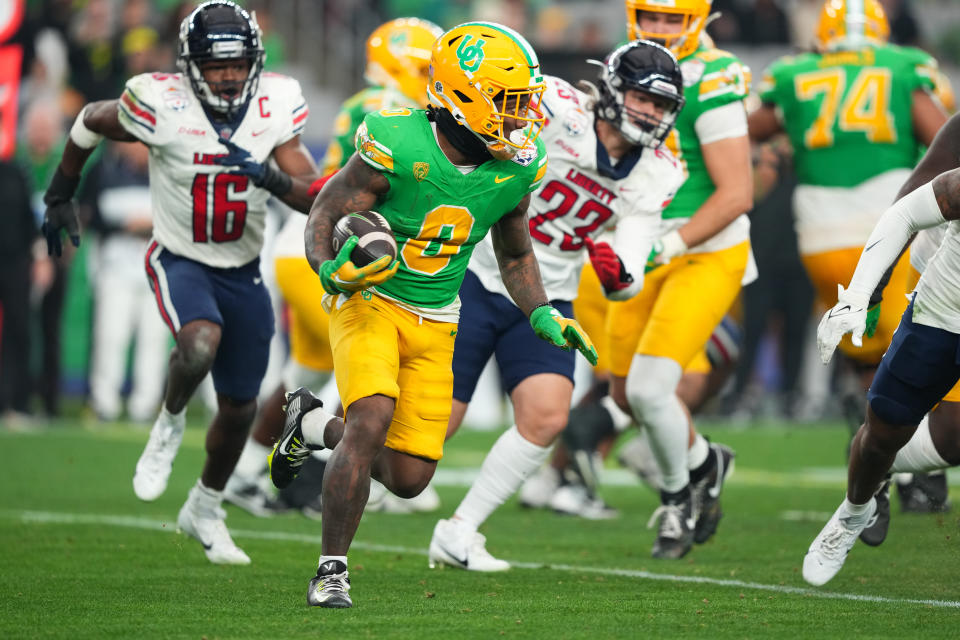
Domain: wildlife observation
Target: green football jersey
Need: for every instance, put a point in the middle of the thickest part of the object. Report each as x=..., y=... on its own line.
x=437, y=213
x=847, y=113
x=351, y=114
x=712, y=78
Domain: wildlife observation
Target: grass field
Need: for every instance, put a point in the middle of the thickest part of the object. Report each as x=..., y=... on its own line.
x=83, y=558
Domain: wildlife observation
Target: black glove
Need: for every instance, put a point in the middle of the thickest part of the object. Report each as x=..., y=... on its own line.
x=61, y=212
x=260, y=173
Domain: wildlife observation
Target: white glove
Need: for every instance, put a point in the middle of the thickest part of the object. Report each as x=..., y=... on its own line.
x=849, y=315
x=669, y=246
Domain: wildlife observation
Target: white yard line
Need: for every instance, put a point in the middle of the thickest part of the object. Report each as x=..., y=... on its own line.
x=47, y=517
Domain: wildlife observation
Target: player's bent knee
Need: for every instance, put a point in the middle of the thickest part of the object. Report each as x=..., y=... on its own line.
x=238, y=410
x=410, y=489
x=894, y=412
x=542, y=428
x=403, y=474
x=197, y=344
x=652, y=382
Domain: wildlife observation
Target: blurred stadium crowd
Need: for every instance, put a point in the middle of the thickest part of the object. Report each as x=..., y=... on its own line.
x=84, y=327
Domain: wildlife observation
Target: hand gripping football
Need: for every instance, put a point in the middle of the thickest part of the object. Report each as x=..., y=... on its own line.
x=375, y=238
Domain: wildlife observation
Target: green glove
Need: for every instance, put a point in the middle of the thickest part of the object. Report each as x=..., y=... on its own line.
x=340, y=275
x=873, y=317
x=566, y=333
x=652, y=262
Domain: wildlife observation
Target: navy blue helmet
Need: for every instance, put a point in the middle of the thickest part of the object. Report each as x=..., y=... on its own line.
x=221, y=30
x=647, y=67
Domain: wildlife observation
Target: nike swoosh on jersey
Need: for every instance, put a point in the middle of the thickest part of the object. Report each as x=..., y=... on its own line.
x=257, y=133
x=498, y=179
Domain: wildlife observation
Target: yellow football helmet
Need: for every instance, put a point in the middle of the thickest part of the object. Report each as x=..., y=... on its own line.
x=685, y=42
x=483, y=72
x=845, y=23
x=398, y=56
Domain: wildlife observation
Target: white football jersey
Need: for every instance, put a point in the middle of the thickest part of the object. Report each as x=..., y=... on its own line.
x=925, y=245
x=938, y=295
x=575, y=201
x=200, y=210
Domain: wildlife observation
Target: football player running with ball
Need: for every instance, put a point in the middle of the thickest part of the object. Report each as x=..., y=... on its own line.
x=442, y=178
x=398, y=55
x=608, y=167
x=211, y=131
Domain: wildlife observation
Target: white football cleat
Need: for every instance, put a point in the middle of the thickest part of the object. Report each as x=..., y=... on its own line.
x=829, y=550
x=454, y=546
x=209, y=529
x=156, y=461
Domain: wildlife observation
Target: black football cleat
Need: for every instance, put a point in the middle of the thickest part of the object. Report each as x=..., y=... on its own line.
x=706, y=493
x=877, y=526
x=291, y=449
x=675, y=533
x=925, y=493
x=329, y=588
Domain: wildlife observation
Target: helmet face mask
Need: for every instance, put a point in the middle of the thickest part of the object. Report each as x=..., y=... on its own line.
x=652, y=70
x=488, y=77
x=398, y=56
x=845, y=24
x=691, y=18
x=215, y=36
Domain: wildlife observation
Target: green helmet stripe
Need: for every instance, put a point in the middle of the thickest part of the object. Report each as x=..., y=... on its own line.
x=520, y=41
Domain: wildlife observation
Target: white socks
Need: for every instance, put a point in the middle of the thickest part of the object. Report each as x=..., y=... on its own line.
x=314, y=425
x=323, y=559
x=175, y=420
x=855, y=514
x=252, y=461
x=697, y=454
x=919, y=454
x=206, y=501
x=651, y=390
x=511, y=459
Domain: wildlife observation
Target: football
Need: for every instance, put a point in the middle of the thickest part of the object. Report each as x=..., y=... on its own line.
x=374, y=233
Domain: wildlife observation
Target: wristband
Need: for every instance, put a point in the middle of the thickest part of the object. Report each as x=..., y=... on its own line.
x=81, y=135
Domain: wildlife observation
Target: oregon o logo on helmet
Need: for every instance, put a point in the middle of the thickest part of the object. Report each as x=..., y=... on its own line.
x=470, y=55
